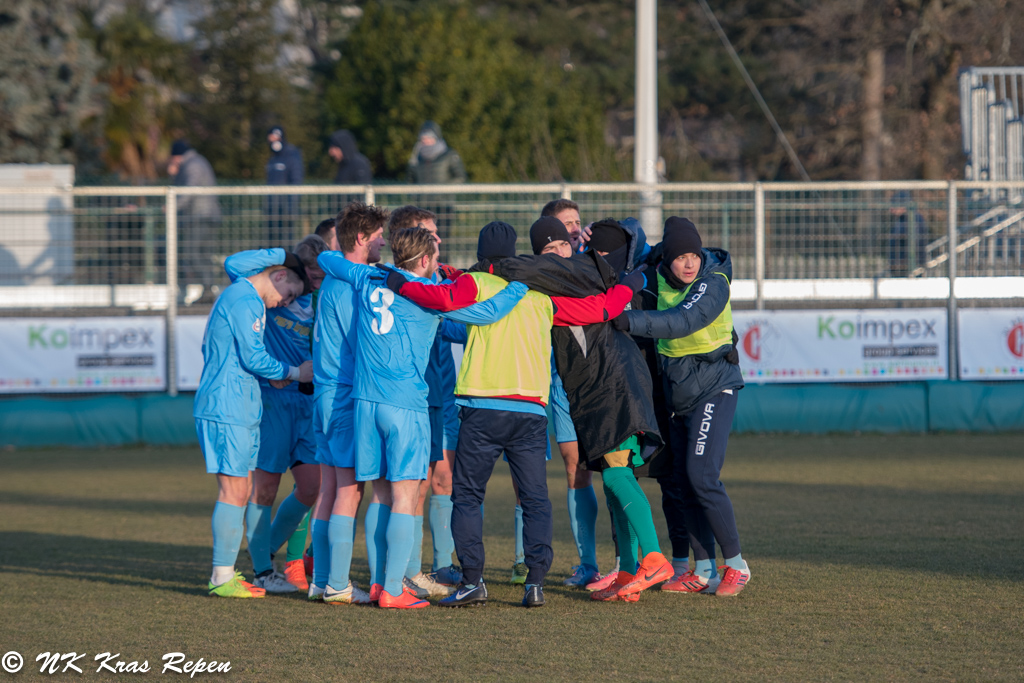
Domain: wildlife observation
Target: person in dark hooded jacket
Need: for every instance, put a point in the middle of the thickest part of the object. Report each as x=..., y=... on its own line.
x=694, y=327
x=353, y=167
x=433, y=162
x=285, y=167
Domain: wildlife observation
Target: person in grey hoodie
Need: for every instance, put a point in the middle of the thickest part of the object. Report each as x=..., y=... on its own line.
x=433, y=162
x=198, y=216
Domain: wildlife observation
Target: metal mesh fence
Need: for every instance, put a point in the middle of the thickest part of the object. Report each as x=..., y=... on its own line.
x=104, y=250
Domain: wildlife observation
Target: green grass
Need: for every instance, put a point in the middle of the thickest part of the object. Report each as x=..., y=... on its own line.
x=880, y=558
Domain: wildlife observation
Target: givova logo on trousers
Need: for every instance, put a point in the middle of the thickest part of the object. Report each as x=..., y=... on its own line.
x=705, y=428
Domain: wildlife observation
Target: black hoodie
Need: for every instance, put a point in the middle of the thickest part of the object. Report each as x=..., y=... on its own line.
x=354, y=168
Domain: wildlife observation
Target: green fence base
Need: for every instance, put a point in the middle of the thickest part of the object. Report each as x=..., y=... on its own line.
x=157, y=419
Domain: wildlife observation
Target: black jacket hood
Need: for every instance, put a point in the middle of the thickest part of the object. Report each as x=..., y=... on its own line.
x=345, y=141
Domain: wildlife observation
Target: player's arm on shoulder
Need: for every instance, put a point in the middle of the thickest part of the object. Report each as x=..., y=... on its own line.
x=249, y=263
x=336, y=265
x=493, y=309
x=453, y=332
x=442, y=297
x=705, y=302
x=599, y=308
x=247, y=323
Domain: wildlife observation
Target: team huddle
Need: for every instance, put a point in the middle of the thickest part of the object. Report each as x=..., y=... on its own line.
x=327, y=363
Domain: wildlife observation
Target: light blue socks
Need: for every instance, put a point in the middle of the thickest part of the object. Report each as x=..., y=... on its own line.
x=399, y=545
x=226, y=524
x=706, y=568
x=415, y=565
x=441, y=530
x=583, y=520
x=257, y=535
x=289, y=514
x=339, y=534
x=321, y=552
x=376, y=523
x=520, y=551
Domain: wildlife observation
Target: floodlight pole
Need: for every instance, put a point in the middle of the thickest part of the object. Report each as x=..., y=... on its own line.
x=645, y=152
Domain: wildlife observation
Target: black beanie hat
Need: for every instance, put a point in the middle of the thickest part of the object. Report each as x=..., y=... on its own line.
x=607, y=236
x=547, y=229
x=497, y=241
x=681, y=237
x=179, y=147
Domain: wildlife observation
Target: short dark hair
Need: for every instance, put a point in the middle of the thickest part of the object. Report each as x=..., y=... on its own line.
x=408, y=245
x=308, y=248
x=408, y=216
x=324, y=228
x=358, y=219
x=557, y=206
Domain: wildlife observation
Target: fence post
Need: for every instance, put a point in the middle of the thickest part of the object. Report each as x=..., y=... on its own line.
x=759, y=234
x=954, y=330
x=371, y=196
x=566, y=192
x=171, y=209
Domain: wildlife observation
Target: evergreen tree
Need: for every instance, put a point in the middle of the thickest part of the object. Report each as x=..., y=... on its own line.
x=46, y=81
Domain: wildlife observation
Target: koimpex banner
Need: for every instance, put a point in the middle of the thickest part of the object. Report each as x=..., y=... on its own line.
x=843, y=345
x=991, y=343
x=83, y=354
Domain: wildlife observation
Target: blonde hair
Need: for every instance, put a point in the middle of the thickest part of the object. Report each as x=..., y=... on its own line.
x=408, y=245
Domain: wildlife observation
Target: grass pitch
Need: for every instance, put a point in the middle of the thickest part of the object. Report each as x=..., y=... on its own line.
x=873, y=557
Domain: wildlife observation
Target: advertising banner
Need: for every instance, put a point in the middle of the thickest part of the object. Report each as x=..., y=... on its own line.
x=124, y=354
x=991, y=343
x=874, y=345
x=189, y=350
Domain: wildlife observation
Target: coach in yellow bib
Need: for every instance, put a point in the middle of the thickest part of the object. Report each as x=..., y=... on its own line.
x=693, y=324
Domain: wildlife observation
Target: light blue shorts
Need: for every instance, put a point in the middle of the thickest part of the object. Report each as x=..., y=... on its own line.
x=394, y=443
x=565, y=431
x=286, y=431
x=334, y=426
x=228, y=449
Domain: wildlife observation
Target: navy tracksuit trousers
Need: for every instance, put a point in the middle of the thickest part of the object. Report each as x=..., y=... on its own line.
x=698, y=441
x=483, y=436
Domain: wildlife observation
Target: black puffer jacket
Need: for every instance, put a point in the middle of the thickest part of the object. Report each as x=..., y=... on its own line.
x=605, y=376
x=354, y=168
x=693, y=379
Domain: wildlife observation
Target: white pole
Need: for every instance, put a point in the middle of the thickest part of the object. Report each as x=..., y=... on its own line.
x=645, y=153
x=171, y=207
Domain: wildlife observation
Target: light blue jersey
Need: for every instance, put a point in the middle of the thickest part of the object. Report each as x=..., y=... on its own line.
x=289, y=327
x=234, y=356
x=394, y=336
x=334, y=354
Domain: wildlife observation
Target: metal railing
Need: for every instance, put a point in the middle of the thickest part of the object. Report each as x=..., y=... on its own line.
x=116, y=250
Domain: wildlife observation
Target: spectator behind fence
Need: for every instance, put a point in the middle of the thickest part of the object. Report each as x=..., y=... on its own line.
x=432, y=161
x=906, y=228
x=285, y=167
x=353, y=167
x=198, y=219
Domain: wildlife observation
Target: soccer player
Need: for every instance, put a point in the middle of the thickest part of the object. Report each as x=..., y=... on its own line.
x=328, y=231
x=228, y=408
x=285, y=430
x=503, y=387
x=444, y=434
x=360, y=234
x=694, y=325
x=393, y=340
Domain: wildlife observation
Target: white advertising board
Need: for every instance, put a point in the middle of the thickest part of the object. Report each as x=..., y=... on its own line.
x=991, y=343
x=83, y=354
x=875, y=345
x=189, y=350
